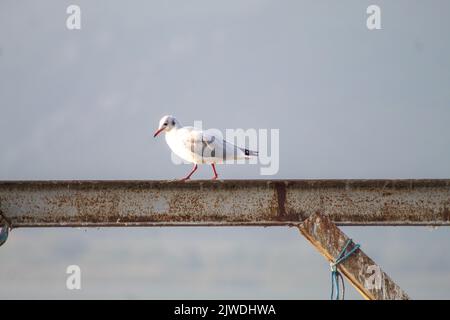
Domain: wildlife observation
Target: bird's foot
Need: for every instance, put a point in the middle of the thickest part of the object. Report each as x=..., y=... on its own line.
x=215, y=178
x=184, y=179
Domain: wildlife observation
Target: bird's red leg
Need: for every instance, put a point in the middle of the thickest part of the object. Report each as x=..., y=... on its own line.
x=215, y=172
x=190, y=173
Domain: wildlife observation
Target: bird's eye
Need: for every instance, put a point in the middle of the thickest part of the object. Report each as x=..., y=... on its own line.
x=165, y=123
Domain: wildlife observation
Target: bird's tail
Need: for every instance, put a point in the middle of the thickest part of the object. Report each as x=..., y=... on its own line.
x=249, y=153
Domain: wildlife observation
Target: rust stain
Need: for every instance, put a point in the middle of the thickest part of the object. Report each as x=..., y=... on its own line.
x=281, y=198
x=446, y=214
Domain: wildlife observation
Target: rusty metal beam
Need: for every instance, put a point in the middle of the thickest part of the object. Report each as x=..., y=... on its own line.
x=361, y=271
x=224, y=203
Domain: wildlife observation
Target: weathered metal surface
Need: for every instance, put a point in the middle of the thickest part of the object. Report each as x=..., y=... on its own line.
x=224, y=203
x=362, y=272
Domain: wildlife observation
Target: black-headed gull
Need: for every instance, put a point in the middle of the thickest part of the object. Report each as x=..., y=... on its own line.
x=199, y=147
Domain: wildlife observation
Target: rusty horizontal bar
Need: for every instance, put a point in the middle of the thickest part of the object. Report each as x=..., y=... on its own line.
x=224, y=203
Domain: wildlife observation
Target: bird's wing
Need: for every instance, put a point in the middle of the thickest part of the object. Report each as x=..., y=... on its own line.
x=192, y=138
x=204, y=145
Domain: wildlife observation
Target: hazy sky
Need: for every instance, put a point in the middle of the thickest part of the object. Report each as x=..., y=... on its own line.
x=349, y=103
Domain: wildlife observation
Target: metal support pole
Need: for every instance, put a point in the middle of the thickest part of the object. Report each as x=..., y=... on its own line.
x=360, y=270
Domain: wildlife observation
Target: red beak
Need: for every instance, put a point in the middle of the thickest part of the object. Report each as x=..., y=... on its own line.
x=158, y=132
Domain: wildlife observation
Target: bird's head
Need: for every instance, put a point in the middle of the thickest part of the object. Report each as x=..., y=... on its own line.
x=166, y=123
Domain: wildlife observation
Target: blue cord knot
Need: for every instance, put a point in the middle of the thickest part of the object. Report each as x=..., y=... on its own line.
x=336, y=276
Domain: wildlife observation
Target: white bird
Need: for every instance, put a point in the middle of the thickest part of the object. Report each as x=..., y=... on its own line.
x=198, y=147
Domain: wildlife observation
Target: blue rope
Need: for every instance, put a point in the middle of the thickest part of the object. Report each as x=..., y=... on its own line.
x=336, y=276
x=4, y=231
x=4, y=228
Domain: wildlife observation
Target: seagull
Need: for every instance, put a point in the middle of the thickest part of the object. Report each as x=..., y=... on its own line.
x=199, y=147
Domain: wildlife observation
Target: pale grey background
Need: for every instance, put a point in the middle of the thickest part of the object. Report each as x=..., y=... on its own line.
x=349, y=103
